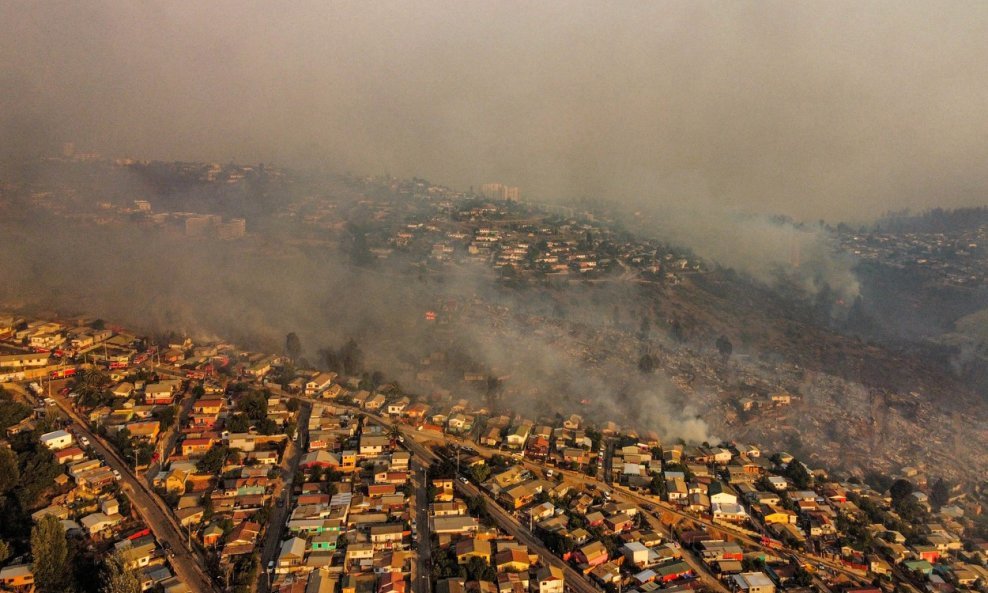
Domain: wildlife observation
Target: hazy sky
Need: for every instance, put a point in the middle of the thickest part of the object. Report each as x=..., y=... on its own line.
x=815, y=109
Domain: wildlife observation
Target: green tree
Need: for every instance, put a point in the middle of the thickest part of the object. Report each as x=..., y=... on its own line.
x=212, y=461
x=900, y=489
x=10, y=473
x=797, y=474
x=11, y=412
x=5, y=551
x=52, y=573
x=117, y=578
x=238, y=423
x=254, y=404
x=165, y=416
x=939, y=494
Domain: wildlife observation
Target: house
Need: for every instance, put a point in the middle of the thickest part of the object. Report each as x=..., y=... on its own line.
x=162, y=393
x=551, y=579
x=491, y=438
x=454, y=525
x=319, y=383
x=321, y=458
x=591, y=555
x=752, y=582
x=473, y=548
x=125, y=390
x=636, y=553
x=672, y=571
x=517, y=437
x=291, y=556
x=371, y=445
x=728, y=511
x=195, y=447
x=512, y=560
x=375, y=402
x=241, y=440
x=97, y=522
x=396, y=408
x=69, y=455
x=212, y=534
x=17, y=576
x=147, y=430
x=386, y=536
x=56, y=440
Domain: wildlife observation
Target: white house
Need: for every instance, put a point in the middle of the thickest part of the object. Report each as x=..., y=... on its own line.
x=57, y=439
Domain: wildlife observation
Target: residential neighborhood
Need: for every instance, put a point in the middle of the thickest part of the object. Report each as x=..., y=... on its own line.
x=287, y=479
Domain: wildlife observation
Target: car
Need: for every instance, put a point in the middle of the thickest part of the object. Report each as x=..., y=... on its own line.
x=463, y=480
x=116, y=474
x=84, y=441
x=270, y=565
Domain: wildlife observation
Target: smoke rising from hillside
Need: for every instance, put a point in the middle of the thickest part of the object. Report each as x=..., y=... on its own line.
x=814, y=110
x=156, y=281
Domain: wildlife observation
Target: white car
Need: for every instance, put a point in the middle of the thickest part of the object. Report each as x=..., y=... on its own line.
x=116, y=474
x=84, y=441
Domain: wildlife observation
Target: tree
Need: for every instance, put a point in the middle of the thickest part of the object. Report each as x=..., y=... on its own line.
x=293, y=346
x=117, y=578
x=5, y=551
x=900, y=489
x=939, y=494
x=315, y=474
x=165, y=416
x=254, y=405
x=238, y=423
x=50, y=550
x=797, y=474
x=11, y=412
x=212, y=461
x=10, y=473
x=646, y=364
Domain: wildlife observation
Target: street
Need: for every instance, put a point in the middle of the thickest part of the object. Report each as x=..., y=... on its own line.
x=187, y=566
x=283, y=493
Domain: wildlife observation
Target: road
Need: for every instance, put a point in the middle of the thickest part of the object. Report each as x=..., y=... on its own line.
x=167, y=441
x=186, y=565
x=422, y=582
x=283, y=492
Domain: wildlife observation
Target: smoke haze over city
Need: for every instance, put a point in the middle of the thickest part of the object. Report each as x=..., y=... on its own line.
x=836, y=110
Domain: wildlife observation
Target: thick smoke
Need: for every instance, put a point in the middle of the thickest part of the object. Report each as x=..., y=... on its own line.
x=769, y=249
x=160, y=281
x=836, y=110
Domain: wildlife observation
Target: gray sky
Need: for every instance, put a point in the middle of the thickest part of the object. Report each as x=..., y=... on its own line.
x=814, y=109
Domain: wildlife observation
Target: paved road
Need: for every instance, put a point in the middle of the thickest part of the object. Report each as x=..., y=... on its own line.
x=283, y=492
x=422, y=582
x=187, y=567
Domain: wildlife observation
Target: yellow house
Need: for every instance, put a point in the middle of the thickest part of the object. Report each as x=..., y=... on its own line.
x=444, y=490
x=512, y=560
x=348, y=461
x=175, y=480
x=779, y=516
x=144, y=430
x=473, y=548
